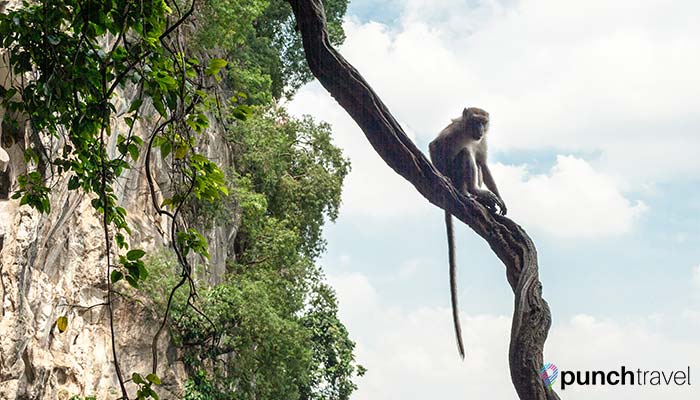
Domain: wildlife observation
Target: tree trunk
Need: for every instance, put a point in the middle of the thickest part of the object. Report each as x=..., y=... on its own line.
x=531, y=318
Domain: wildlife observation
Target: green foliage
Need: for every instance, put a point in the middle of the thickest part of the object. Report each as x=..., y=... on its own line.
x=332, y=357
x=261, y=40
x=145, y=386
x=131, y=268
x=191, y=239
x=295, y=165
x=211, y=182
x=199, y=387
x=57, y=43
x=33, y=192
x=277, y=350
x=269, y=346
x=273, y=316
x=59, y=46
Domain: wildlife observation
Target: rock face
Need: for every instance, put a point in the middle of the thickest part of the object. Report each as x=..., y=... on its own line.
x=54, y=265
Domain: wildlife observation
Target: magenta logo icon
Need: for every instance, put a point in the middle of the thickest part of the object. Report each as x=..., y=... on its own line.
x=549, y=374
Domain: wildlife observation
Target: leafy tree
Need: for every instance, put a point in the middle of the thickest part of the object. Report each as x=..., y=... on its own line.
x=260, y=37
x=332, y=358
x=295, y=165
x=274, y=317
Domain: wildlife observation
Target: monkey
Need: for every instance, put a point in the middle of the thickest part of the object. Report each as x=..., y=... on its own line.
x=459, y=153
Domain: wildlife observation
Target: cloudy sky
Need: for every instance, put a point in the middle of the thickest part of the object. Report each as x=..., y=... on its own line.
x=594, y=141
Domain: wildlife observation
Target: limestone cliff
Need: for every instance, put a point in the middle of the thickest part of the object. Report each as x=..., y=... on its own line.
x=54, y=265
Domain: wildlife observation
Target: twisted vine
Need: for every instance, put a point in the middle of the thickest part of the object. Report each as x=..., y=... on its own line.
x=510, y=243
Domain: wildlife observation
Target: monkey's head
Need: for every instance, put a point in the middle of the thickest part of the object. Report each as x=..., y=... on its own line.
x=476, y=122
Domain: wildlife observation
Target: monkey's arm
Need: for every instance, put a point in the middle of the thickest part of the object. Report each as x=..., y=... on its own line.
x=468, y=163
x=491, y=185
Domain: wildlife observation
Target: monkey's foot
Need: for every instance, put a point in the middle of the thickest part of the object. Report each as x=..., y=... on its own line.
x=491, y=202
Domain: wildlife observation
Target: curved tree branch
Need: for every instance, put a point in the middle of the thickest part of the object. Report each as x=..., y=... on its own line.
x=531, y=318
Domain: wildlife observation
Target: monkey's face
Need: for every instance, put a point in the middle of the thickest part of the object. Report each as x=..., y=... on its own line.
x=477, y=122
x=477, y=128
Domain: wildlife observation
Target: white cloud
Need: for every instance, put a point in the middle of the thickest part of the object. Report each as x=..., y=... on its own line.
x=572, y=200
x=617, y=80
x=625, y=91
x=696, y=275
x=411, y=354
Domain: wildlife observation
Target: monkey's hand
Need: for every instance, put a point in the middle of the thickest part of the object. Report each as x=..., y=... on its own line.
x=502, y=206
x=491, y=201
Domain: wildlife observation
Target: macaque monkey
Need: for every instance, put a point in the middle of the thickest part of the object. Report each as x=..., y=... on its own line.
x=459, y=153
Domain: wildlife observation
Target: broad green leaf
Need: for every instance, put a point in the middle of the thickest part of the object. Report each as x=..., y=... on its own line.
x=153, y=378
x=116, y=276
x=143, y=273
x=159, y=106
x=133, y=151
x=135, y=254
x=165, y=148
x=137, y=379
x=132, y=269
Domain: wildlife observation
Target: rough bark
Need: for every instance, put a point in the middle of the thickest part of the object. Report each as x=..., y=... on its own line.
x=531, y=317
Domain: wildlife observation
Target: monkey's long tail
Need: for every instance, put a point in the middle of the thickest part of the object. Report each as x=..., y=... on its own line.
x=453, y=281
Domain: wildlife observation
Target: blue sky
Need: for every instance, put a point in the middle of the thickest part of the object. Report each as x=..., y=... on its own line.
x=594, y=144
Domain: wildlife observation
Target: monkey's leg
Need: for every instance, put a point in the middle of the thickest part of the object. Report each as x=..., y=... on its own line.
x=471, y=173
x=466, y=172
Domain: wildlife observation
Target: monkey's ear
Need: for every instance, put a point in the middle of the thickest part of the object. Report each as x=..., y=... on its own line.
x=465, y=112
